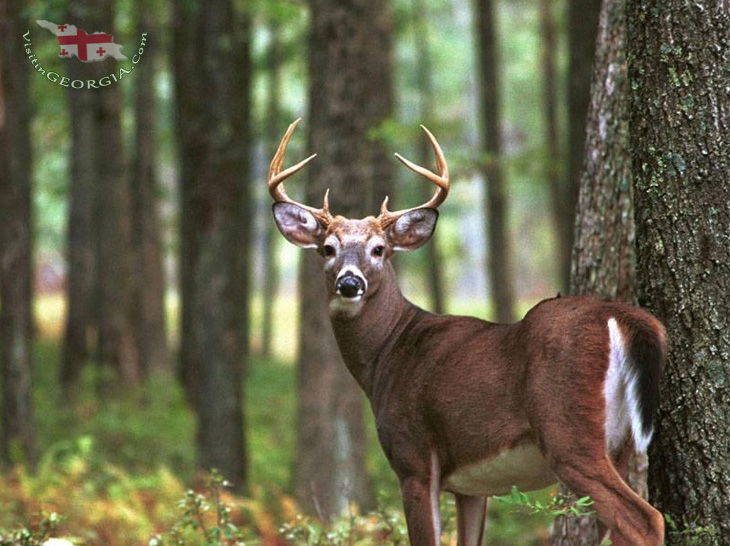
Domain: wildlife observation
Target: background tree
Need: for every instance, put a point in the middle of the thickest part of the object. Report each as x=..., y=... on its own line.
x=603, y=253
x=348, y=40
x=680, y=122
x=214, y=137
x=582, y=29
x=82, y=231
x=17, y=424
x=498, y=245
x=556, y=181
x=117, y=348
x=149, y=290
x=275, y=126
x=424, y=78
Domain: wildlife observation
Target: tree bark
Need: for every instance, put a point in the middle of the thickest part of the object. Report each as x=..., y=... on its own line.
x=603, y=253
x=350, y=94
x=149, y=297
x=17, y=424
x=495, y=207
x=211, y=57
x=680, y=122
x=582, y=28
x=434, y=269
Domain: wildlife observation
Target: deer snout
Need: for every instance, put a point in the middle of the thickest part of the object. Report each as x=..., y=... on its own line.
x=350, y=285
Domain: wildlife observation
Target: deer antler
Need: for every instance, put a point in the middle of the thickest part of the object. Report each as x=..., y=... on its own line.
x=277, y=177
x=441, y=180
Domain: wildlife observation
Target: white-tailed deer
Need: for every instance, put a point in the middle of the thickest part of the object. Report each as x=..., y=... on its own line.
x=472, y=407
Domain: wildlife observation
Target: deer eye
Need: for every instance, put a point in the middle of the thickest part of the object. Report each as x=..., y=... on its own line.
x=329, y=251
x=378, y=250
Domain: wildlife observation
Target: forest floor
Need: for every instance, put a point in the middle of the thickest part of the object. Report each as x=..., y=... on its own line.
x=117, y=469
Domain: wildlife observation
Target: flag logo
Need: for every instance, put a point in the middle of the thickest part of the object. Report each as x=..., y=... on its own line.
x=74, y=42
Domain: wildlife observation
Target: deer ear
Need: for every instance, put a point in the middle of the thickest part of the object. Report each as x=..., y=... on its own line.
x=413, y=229
x=298, y=225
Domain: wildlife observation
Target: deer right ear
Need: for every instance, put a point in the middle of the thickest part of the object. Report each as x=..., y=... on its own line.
x=413, y=229
x=298, y=225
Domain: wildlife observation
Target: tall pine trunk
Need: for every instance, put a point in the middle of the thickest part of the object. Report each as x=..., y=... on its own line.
x=680, y=127
x=17, y=424
x=350, y=94
x=603, y=253
x=149, y=296
x=582, y=28
x=211, y=59
x=495, y=207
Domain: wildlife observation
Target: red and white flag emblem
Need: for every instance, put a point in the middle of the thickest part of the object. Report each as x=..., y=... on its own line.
x=75, y=42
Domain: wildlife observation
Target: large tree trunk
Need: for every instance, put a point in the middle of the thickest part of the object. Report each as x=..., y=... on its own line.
x=680, y=122
x=582, y=29
x=495, y=208
x=149, y=297
x=603, y=254
x=273, y=131
x=434, y=269
x=211, y=58
x=117, y=350
x=350, y=93
x=17, y=426
x=557, y=186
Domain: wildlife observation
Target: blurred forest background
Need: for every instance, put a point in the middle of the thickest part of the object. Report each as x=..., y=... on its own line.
x=173, y=331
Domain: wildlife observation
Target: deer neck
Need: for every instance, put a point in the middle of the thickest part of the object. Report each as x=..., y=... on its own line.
x=364, y=340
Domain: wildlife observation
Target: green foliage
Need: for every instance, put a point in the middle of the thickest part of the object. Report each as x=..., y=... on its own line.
x=557, y=505
x=690, y=533
x=35, y=535
x=204, y=519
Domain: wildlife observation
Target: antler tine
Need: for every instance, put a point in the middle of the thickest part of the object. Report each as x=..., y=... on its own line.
x=277, y=177
x=441, y=180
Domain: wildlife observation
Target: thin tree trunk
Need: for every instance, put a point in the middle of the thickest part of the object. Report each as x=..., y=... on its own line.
x=215, y=223
x=680, y=122
x=149, y=300
x=582, y=29
x=495, y=207
x=434, y=269
x=557, y=186
x=350, y=83
x=17, y=424
x=603, y=253
x=274, y=126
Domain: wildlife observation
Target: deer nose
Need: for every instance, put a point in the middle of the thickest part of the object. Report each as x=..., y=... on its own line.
x=350, y=286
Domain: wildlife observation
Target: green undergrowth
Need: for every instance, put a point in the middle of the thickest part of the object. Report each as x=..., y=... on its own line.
x=120, y=470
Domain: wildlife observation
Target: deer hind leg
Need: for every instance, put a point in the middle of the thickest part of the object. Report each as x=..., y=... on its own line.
x=471, y=515
x=631, y=520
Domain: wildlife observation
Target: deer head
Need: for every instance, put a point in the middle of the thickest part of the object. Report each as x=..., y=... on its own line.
x=355, y=251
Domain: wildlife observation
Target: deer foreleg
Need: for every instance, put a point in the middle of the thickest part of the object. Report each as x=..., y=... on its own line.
x=471, y=515
x=421, y=505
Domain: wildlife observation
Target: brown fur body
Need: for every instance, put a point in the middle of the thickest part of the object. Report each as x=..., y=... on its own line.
x=468, y=390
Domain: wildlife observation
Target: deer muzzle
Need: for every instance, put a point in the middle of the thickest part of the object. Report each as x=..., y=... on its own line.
x=350, y=285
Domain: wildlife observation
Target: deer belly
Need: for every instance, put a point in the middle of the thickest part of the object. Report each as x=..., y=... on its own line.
x=522, y=466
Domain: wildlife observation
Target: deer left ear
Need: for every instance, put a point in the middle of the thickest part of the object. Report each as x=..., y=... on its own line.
x=413, y=229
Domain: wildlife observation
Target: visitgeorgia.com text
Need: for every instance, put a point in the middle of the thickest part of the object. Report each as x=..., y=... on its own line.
x=64, y=81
